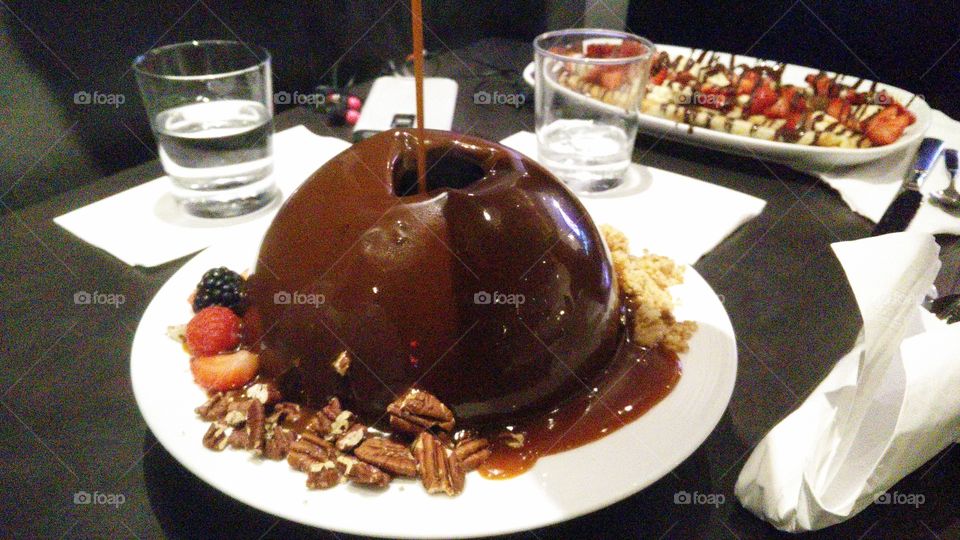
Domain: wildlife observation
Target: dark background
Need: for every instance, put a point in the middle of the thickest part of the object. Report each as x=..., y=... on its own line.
x=50, y=50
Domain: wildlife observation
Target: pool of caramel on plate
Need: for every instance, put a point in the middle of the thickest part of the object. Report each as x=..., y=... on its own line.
x=636, y=380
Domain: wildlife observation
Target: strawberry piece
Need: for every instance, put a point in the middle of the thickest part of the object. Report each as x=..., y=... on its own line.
x=821, y=83
x=838, y=109
x=600, y=50
x=658, y=78
x=225, y=371
x=748, y=81
x=611, y=79
x=888, y=125
x=213, y=330
x=780, y=109
x=793, y=120
x=630, y=48
x=763, y=97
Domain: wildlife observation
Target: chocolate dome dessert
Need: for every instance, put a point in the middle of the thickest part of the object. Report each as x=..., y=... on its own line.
x=492, y=290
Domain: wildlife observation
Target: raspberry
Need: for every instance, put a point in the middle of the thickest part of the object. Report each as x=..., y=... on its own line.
x=213, y=330
x=221, y=287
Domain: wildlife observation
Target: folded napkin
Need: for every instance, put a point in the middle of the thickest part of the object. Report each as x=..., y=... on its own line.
x=886, y=408
x=869, y=188
x=144, y=226
x=668, y=213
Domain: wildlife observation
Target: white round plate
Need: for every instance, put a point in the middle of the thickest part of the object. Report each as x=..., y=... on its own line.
x=800, y=157
x=617, y=465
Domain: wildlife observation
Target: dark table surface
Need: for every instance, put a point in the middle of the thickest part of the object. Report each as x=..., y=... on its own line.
x=70, y=422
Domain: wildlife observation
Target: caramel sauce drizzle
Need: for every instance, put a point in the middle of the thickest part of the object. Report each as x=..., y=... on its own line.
x=417, y=23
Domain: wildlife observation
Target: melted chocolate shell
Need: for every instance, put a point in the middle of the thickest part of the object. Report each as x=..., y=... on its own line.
x=493, y=290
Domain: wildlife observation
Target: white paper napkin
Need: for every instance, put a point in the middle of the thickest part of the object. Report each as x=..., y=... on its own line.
x=670, y=214
x=886, y=408
x=143, y=225
x=868, y=189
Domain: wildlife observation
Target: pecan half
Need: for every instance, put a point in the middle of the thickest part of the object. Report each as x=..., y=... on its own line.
x=351, y=438
x=472, y=452
x=216, y=406
x=439, y=471
x=327, y=477
x=277, y=442
x=417, y=411
x=310, y=452
x=216, y=436
x=247, y=419
x=342, y=363
x=390, y=456
x=362, y=473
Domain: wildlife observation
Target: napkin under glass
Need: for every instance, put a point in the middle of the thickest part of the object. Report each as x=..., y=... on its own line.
x=144, y=226
x=667, y=213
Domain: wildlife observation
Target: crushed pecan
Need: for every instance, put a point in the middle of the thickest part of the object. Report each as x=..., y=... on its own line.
x=285, y=410
x=319, y=424
x=266, y=393
x=341, y=423
x=362, y=473
x=390, y=456
x=439, y=471
x=472, y=452
x=417, y=411
x=216, y=436
x=332, y=409
x=351, y=437
x=342, y=363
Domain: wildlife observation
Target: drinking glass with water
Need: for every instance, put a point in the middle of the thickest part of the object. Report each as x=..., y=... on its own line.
x=211, y=110
x=589, y=87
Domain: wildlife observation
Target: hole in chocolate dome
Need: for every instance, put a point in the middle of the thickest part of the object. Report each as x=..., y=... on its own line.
x=447, y=167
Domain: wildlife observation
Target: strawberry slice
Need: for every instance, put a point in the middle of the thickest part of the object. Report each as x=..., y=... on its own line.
x=658, y=79
x=600, y=50
x=213, y=330
x=225, y=371
x=611, y=79
x=793, y=120
x=748, y=81
x=780, y=109
x=763, y=97
x=838, y=109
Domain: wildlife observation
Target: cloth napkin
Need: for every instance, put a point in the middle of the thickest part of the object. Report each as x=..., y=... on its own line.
x=670, y=214
x=144, y=226
x=868, y=189
x=886, y=408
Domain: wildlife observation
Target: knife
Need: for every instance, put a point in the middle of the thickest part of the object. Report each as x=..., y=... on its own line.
x=905, y=205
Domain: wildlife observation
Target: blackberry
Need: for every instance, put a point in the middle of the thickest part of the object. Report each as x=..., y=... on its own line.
x=221, y=287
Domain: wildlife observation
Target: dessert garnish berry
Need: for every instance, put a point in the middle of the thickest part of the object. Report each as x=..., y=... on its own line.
x=214, y=330
x=221, y=287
